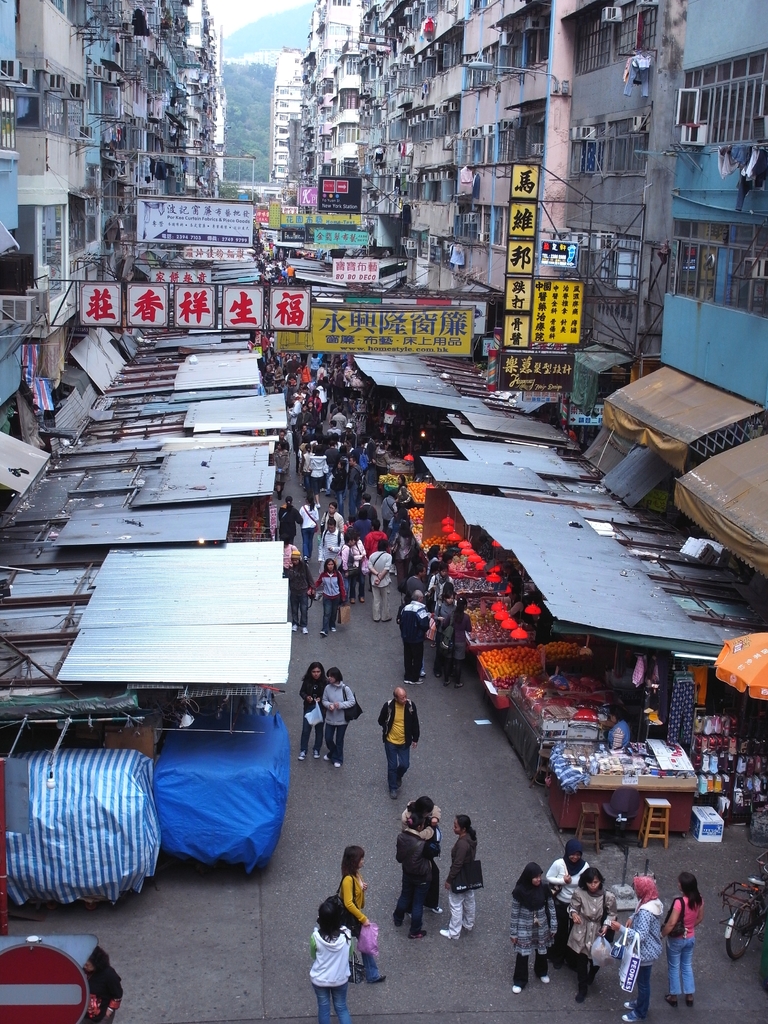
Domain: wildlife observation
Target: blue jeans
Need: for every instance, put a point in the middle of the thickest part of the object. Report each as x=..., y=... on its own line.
x=330, y=608
x=340, y=496
x=371, y=967
x=299, y=609
x=412, y=894
x=680, y=961
x=306, y=729
x=371, y=477
x=308, y=542
x=335, y=745
x=398, y=763
x=354, y=497
x=643, y=1001
x=339, y=996
x=355, y=585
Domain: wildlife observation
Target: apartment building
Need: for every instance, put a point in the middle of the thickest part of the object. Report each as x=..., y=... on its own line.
x=107, y=101
x=286, y=107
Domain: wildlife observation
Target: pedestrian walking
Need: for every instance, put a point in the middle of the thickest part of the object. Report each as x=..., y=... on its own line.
x=414, y=623
x=318, y=469
x=339, y=479
x=352, y=891
x=399, y=721
x=330, y=584
x=380, y=564
x=282, y=461
x=312, y=688
x=300, y=588
x=331, y=542
x=426, y=807
x=310, y=524
x=531, y=926
x=352, y=558
x=685, y=915
x=332, y=515
x=354, y=485
x=564, y=874
x=288, y=520
x=462, y=627
x=443, y=641
x=105, y=990
x=461, y=904
x=403, y=551
x=388, y=509
x=590, y=910
x=417, y=874
x=336, y=699
x=646, y=921
x=330, y=947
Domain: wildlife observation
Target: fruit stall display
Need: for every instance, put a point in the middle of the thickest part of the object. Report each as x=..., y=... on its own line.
x=488, y=632
x=388, y=481
x=503, y=667
x=565, y=653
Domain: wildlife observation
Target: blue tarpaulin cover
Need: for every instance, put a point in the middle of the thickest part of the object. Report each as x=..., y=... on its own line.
x=95, y=835
x=223, y=796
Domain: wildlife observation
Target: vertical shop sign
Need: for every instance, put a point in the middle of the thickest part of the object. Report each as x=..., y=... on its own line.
x=521, y=255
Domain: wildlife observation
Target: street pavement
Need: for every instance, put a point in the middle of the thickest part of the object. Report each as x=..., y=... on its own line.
x=220, y=946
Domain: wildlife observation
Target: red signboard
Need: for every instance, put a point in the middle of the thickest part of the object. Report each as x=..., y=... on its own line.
x=41, y=984
x=100, y=304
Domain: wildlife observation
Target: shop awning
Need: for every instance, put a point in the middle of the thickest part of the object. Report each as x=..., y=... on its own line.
x=668, y=411
x=728, y=496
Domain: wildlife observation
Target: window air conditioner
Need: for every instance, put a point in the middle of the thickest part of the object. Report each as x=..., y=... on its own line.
x=693, y=134
x=537, y=149
x=640, y=123
x=756, y=268
x=410, y=245
x=10, y=70
x=535, y=25
x=505, y=125
x=611, y=16
x=475, y=133
x=86, y=132
x=453, y=105
x=56, y=83
x=483, y=237
x=583, y=132
x=487, y=129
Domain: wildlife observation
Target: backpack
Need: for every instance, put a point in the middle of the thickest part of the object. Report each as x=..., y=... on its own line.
x=363, y=461
x=446, y=640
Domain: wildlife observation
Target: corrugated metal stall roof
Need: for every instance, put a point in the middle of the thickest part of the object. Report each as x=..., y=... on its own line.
x=20, y=464
x=449, y=399
x=186, y=616
x=457, y=471
x=638, y=474
x=208, y=475
x=99, y=357
x=608, y=450
x=262, y=412
x=121, y=526
x=218, y=369
x=541, y=460
x=588, y=580
x=514, y=425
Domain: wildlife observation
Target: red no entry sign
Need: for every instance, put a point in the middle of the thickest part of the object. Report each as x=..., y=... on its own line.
x=41, y=985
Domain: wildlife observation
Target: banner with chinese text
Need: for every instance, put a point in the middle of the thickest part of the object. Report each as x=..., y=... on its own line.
x=445, y=331
x=557, y=308
x=184, y=221
x=521, y=255
x=356, y=271
x=543, y=371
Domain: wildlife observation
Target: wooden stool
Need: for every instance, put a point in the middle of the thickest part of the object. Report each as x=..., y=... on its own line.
x=655, y=821
x=586, y=827
x=542, y=768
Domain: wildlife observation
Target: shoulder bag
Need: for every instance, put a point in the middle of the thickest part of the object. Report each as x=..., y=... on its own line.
x=678, y=932
x=469, y=877
x=353, y=713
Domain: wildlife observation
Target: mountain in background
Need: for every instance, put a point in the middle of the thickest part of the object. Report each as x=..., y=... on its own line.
x=287, y=28
x=249, y=95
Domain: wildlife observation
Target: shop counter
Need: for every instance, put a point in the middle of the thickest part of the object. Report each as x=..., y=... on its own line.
x=566, y=807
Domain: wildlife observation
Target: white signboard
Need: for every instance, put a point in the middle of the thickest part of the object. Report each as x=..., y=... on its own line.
x=242, y=307
x=180, y=275
x=209, y=221
x=147, y=305
x=101, y=304
x=195, y=306
x=356, y=271
x=217, y=252
x=289, y=309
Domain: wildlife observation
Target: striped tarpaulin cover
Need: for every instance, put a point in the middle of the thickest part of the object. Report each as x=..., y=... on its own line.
x=95, y=835
x=29, y=362
x=42, y=397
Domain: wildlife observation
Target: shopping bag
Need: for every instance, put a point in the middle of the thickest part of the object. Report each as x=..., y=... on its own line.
x=630, y=963
x=432, y=631
x=314, y=716
x=600, y=951
x=345, y=615
x=356, y=969
x=369, y=939
x=470, y=877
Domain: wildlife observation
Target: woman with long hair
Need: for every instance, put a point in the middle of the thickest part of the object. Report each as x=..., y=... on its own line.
x=589, y=910
x=685, y=914
x=352, y=891
x=462, y=627
x=329, y=947
x=104, y=986
x=532, y=925
x=462, y=904
x=311, y=692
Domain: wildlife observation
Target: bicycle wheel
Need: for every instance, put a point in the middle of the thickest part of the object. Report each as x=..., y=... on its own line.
x=737, y=942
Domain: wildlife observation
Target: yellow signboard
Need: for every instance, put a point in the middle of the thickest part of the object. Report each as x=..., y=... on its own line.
x=557, y=309
x=525, y=181
x=275, y=213
x=520, y=256
x=301, y=220
x=522, y=220
x=444, y=331
x=518, y=294
x=517, y=330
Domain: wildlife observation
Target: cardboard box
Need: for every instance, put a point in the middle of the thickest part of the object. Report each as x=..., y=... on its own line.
x=706, y=825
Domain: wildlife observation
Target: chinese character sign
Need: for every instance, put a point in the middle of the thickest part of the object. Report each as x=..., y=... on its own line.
x=518, y=294
x=101, y=304
x=522, y=220
x=298, y=220
x=340, y=237
x=356, y=271
x=243, y=307
x=564, y=255
x=557, y=309
x=517, y=330
x=182, y=220
x=195, y=306
x=289, y=309
x=147, y=305
x=217, y=252
x=180, y=275
x=544, y=371
x=525, y=182
x=423, y=331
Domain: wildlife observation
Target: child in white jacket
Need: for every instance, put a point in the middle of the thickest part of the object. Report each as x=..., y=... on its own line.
x=330, y=946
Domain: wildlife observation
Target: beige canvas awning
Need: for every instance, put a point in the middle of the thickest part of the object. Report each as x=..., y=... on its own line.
x=728, y=496
x=668, y=411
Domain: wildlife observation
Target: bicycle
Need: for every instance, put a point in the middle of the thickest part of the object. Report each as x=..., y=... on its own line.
x=748, y=906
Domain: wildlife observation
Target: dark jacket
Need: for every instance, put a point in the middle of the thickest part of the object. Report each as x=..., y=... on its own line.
x=414, y=623
x=289, y=518
x=105, y=985
x=410, y=721
x=410, y=853
x=463, y=852
x=314, y=689
x=299, y=577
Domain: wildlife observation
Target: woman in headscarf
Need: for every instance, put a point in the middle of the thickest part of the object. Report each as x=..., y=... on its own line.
x=532, y=925
x=646, y=921
x=565, y=873
x=590, y=908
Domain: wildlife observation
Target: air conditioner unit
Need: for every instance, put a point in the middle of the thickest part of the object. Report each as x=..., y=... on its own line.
x=56, y=83
x=447, y=246
x=640, y=123
x=410, y=245
x=16, y=309
x=475, y=133
x=408, y=10
x=483, y=237
x=603, y=240
x=537, y=149
x=86, y=132
x=535, y=24
x=10, y=70
x=97, y=71
x=506, y=124
x=693, y=134
x=26, y=77
x=453, y=105
x=756, y=268
x=760, y=129
x=505, y=39
x=39, y=297
x=76, y=91
x=433, y=240
x=584, y=132
x=611, y=16
x=488, y=129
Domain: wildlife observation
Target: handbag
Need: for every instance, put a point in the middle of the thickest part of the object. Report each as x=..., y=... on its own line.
x=469, y=877
x=353, y=713
x=678, y=932
x=432, y=631
x=630, y=963
x=369, y=939
x=365, y=567
x=345, y=615
x=446, y=640
x=314, y=716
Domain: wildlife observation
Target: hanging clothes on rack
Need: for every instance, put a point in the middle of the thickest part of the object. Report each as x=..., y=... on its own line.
x=457, y=255
x=681, y=709
x=466, y=180
x=638, y=72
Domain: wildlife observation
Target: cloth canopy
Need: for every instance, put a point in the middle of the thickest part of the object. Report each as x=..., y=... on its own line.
x=728, y=496
x=588, y=366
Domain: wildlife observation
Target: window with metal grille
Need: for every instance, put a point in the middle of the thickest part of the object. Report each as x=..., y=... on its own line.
x=722, y=263
x=638, y=29
x=497, y=228
x=466, y=226
x=732, y=99
x=593, y=44
x=7, y=118
x=626, y=149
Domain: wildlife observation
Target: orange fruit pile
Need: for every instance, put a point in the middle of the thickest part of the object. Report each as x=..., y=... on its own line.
x=562, y=650
x=507, y=663
x=418, y=491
